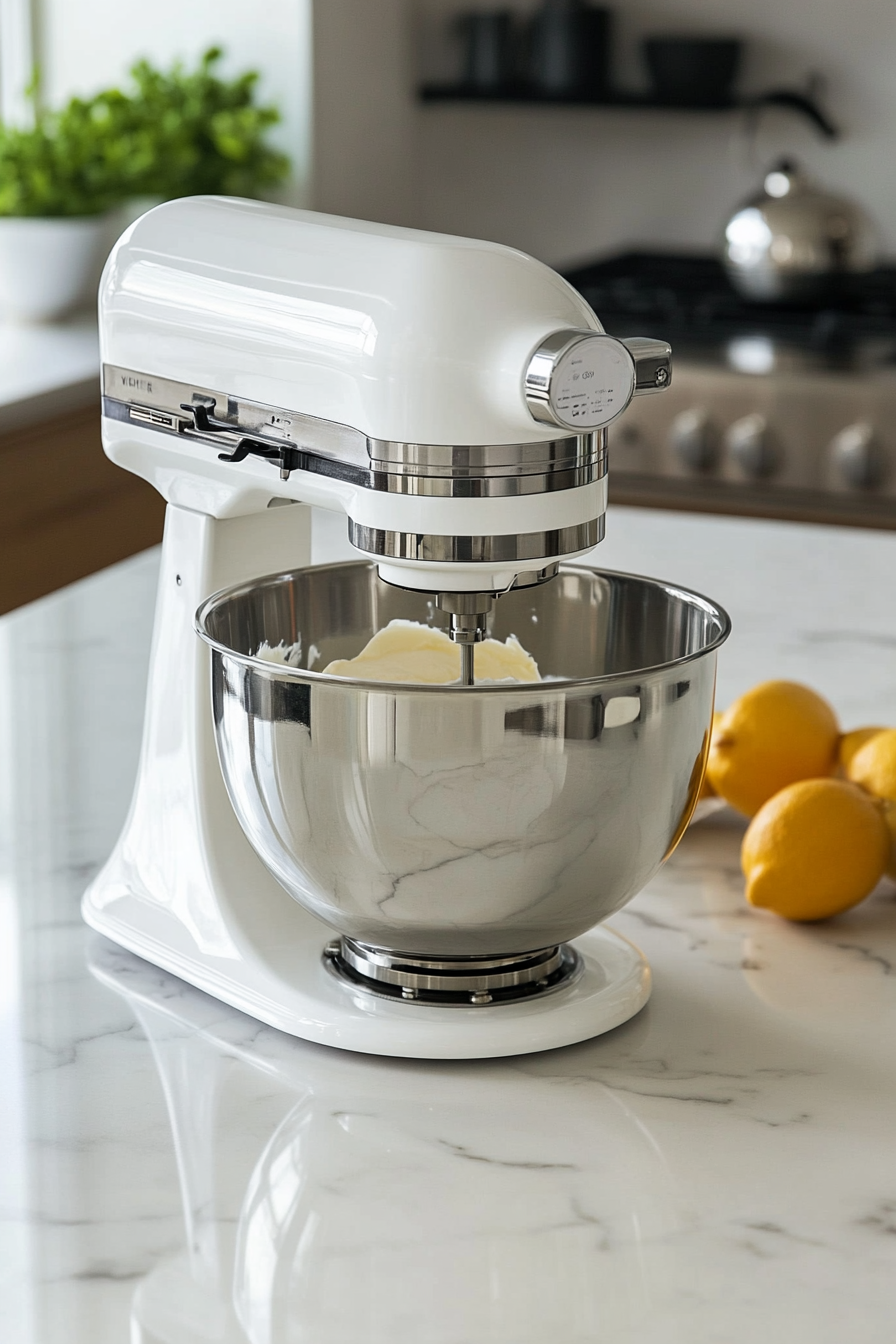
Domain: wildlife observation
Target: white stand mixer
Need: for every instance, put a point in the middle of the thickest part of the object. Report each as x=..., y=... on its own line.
x=451, y=398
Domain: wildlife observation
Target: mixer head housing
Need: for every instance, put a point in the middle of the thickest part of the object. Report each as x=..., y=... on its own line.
x=449, y=396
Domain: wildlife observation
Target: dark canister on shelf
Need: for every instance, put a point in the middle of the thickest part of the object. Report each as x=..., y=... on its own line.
x=488, y=50
x=693, y=71
x=569, y=50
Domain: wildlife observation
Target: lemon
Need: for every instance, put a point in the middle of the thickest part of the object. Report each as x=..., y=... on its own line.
x=852, y=742
x=776, y=734
x=874, y=767
x=874, y=764
x=814, y=849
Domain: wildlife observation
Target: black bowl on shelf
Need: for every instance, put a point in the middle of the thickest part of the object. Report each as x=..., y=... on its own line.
x=693, y=71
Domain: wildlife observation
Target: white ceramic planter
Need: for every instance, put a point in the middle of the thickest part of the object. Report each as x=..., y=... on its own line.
x=48, y=266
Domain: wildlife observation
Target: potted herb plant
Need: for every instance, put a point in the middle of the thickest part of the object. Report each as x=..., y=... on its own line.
x=54, y=194
x=174, y=133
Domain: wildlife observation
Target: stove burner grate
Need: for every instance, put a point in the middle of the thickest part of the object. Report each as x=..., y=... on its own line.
x=689, y=299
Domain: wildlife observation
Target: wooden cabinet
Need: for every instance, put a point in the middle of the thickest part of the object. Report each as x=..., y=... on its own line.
x=65, y=510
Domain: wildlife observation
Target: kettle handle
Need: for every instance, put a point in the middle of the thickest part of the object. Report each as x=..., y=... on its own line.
x=796, y=102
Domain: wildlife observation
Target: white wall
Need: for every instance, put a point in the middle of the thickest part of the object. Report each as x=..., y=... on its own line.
x=16, y=60
x=569, y=183
x=365, y=113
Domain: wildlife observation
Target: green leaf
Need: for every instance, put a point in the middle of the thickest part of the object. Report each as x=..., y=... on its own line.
x=175, y=132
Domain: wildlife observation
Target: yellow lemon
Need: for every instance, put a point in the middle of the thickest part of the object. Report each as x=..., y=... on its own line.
x=706, y=789
x=874, y=767
x=816, y=848
x=852, y=742
x=776, y=734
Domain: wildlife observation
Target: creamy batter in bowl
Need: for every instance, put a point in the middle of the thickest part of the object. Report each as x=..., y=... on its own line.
x=450, y=821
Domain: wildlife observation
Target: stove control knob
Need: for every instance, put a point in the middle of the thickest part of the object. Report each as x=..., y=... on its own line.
x=694, y=440
x=750, y=445
x=858, y=457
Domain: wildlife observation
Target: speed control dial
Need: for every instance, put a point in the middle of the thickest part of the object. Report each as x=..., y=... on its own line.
x=581, y=380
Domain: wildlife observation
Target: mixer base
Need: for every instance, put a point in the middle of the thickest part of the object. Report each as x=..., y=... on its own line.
x=607, y=982
x=291, y=987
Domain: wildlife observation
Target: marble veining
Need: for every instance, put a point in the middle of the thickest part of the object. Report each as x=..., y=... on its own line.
x=720, y=1170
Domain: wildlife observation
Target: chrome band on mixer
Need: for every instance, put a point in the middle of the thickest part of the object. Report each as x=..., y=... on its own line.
x=491, y=483
x=477, y=550
x=451, y=980
x=297, y=442
x=482, y=459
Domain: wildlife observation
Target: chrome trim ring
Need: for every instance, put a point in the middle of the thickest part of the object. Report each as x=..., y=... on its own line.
x=451, y=981
x=569, y=450
x=449, y=973
x=487, y=550
x=472, y=485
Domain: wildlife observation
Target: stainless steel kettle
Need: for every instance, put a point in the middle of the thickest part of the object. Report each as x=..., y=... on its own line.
x=793, y=239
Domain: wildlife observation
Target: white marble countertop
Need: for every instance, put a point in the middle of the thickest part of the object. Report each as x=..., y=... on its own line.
x=721, y=1170
x=46, y=369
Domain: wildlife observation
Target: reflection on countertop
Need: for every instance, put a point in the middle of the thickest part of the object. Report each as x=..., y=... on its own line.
x=719, y=1169
x=334, y=1199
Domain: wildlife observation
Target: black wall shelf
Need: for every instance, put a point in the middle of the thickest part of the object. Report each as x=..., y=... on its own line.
x=800, y=104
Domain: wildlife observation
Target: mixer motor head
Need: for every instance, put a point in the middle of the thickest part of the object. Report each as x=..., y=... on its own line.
x=451, y=397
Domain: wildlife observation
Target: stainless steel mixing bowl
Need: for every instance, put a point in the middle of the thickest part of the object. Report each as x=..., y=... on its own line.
x=476, y=822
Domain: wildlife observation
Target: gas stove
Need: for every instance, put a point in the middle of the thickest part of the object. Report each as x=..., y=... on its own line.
x=774, y=410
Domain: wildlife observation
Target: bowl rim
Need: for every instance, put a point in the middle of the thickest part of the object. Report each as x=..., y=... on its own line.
x=283, y=671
